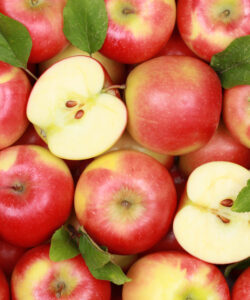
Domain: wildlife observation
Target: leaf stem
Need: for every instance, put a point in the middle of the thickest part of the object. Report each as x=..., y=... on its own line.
x=30, y=73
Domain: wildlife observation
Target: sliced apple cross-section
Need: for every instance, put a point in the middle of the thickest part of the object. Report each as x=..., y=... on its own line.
x=79, y=120
x=205, y=226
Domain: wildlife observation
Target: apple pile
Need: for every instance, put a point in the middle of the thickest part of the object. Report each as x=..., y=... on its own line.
x=124, y=149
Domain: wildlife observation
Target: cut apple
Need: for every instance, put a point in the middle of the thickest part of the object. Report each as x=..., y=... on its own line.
x=78, y=117
x=205, y=226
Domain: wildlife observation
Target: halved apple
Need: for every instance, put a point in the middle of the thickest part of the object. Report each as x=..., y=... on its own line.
x=74, y=110
x=205, y=226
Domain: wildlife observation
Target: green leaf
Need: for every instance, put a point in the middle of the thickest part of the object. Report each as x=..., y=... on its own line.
x=85, y=24
x=242, y=265
x=233, y=64
x=62, y=246
x=242, y=202
x=99, y=262
x=15, y=42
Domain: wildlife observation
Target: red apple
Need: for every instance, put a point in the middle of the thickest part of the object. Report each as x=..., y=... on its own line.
x=209, y=26
x=4, y=287
x=44, y=21
x=14, y=92
x=241, y=288
x=9, y=255
x=174, y=104
x=37, y=277
x=222, y=146
x=125, y=200
x=236, y=107
x=36, y=191
x=174, y=275
x=137, y=29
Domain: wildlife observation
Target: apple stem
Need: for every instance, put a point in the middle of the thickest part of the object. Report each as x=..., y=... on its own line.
x=117, y=86
x=59, y=288
x=31, y=74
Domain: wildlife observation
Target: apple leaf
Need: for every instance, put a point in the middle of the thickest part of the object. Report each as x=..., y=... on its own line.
x=85, y=24
x=242, y=202
x=99, y=262
x=233, y=64
x=15, y=42
x=62, y=246
x=242, y=265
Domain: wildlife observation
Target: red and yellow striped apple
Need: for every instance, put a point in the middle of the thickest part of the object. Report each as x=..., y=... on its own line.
x=241, y=288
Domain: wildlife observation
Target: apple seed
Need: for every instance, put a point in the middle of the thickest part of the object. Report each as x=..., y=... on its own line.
x=71, y=103
x=223, y=219
x=79, y=114
x=227, y=202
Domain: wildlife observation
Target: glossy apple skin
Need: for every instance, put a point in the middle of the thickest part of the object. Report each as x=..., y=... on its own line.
x=132, y=177
x=174, y=104
x=36, y=276
x=236, y=106
x=44, y=21
x=174, y=275
x=9, y=255
x=36, y=191
x=137, y=29
x=15, y=88
x=204, y=27
x=241, y=288
x=4, y=287
x=222, y=146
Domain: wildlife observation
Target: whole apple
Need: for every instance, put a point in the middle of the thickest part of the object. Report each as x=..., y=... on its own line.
x=4, y=287
x=36, y=191
x=174, y=104
x=44, y=21
x=15, y=88
x=241, y=288
x=125, y=200
x=36, y=277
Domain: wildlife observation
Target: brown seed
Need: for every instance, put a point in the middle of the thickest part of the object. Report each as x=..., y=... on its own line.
x=71, y=103
x=223, y=219
x=227, y=202
x=79, y=114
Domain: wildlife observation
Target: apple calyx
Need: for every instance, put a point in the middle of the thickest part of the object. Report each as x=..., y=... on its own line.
x=225, y=14
x=60, y=288
x=128, y=11
x=18, y=188
x=34, y=3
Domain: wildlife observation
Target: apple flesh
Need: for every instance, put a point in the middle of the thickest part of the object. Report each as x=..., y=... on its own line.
x=120, y=198
x=4, y=287
x=174, y=275
x=37, y=277
x=241, y=287
x=218, y=234
x=69, y=103
x=174, y=104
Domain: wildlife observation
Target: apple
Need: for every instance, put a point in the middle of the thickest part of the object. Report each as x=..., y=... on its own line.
x=137, y=30
x=204, y=225
x=37, y=277
x=209, y=26
x=4, y=287
x=174, y=104
x=236, y=107
x=36, y=192
x=174, y=275
x=9, y=255
x=125, y=200
x=15, y=88
x=126, y=142
x=76, y=113
x=222, y=146
x=241, y=288
x=44, y=21
x=116, y=70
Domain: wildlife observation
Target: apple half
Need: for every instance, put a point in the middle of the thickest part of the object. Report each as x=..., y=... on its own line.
x=78, y=116
x=205, y=226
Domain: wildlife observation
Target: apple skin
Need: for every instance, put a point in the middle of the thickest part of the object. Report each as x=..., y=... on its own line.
x=241, y=287
x=44, y=21
x=36, y=191
x=36, y=277
x=222, y=146
x=116, y=70
x=174, y=275
x=236, y=106
x=120, y=198
x=137, y=29
x=209, y=26
x=9, y=255
x=15, y=88
x=4, y=287
x=174, y=104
